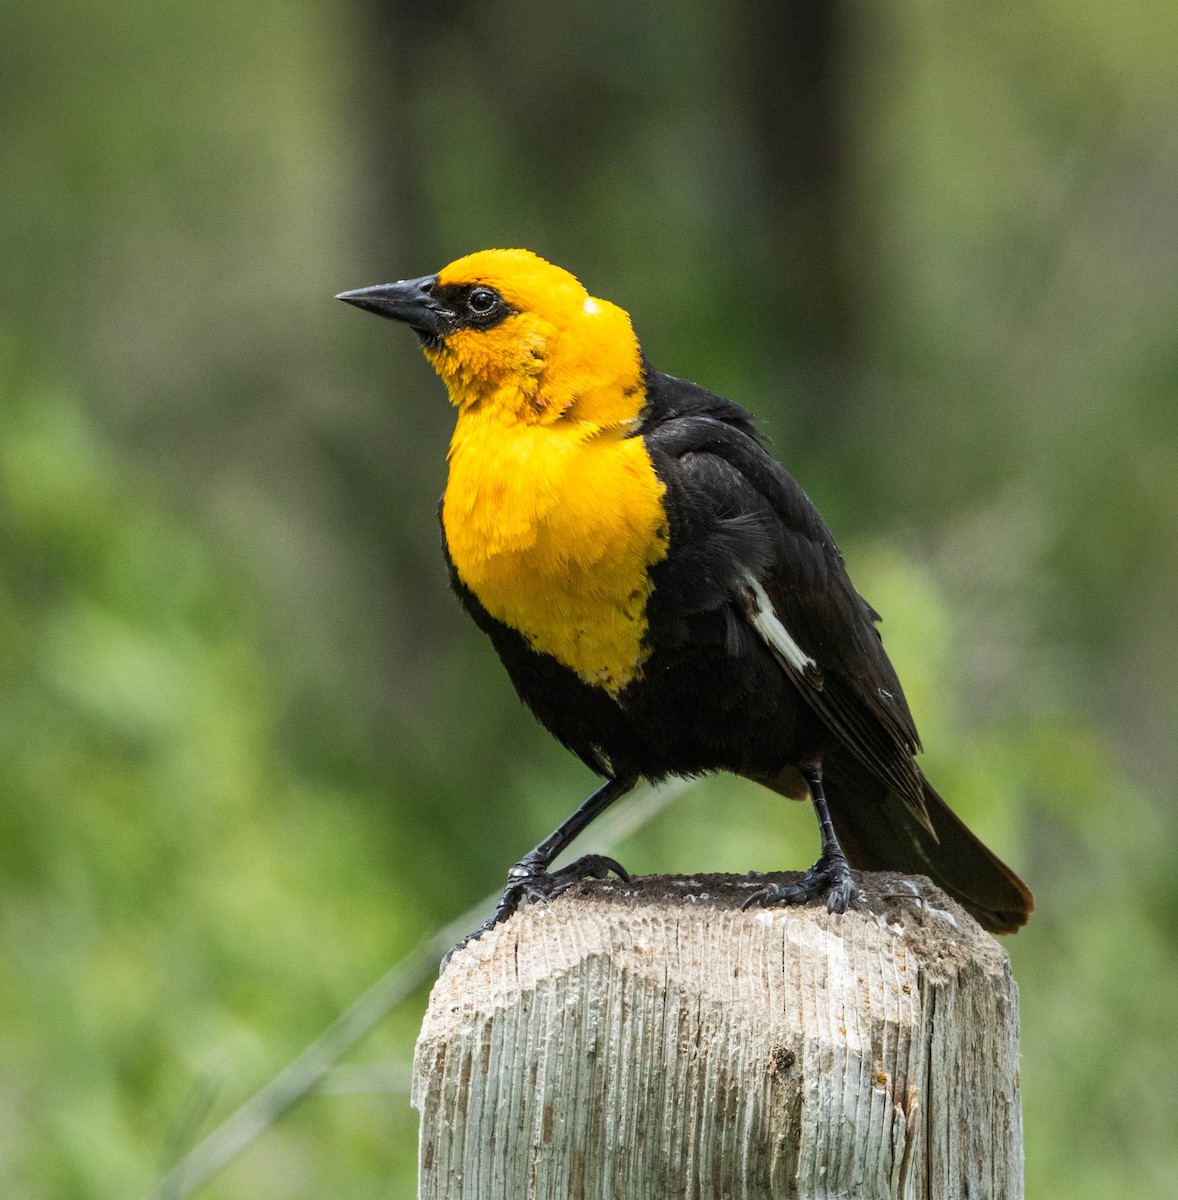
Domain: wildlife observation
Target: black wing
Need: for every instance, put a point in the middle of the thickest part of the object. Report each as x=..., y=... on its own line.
x=760, y=543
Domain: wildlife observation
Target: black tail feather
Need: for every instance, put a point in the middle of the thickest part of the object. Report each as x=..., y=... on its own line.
x=878, y=832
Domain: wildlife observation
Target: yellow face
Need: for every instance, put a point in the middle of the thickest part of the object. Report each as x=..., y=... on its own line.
x=553, y=510
x=545, y=351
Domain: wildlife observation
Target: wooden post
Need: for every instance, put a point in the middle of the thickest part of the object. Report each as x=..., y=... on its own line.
x=650, y=1041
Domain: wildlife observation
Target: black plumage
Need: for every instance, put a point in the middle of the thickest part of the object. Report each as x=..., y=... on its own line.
x=714, y=695
x=756, y=656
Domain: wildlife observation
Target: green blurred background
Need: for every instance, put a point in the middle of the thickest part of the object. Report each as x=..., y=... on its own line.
x=253, y=753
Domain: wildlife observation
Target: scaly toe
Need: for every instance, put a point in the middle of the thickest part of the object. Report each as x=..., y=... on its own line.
x=530, y=881
x=830, y=878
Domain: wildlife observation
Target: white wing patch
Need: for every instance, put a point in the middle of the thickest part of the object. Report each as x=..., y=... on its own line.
x=767, y=623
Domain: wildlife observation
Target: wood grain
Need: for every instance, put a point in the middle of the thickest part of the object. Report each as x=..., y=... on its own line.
x=650, y=1040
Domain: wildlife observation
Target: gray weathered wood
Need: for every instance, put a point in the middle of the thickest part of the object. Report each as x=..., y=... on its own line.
x=649, y=1040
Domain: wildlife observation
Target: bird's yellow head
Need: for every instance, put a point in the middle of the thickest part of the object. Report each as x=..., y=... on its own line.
x=508, y=331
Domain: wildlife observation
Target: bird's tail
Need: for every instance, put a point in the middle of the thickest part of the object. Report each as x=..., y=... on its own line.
x=878, y=831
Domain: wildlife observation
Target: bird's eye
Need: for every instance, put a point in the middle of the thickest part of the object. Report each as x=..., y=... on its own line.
x=481, y=300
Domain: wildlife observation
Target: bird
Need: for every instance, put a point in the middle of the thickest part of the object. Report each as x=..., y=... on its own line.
x=663, y=594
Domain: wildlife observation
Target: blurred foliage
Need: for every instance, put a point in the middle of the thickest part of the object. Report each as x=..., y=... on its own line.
x=252, y=753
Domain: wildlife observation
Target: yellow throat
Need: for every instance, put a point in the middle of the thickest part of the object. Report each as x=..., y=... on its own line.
x=553, y=512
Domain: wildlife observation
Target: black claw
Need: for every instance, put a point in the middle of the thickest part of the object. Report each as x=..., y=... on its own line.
x=529, y=880
x=829, y=876
x=591, y=866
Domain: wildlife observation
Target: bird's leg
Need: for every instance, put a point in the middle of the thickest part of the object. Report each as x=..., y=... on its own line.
x=530, y=878
x=829, y=876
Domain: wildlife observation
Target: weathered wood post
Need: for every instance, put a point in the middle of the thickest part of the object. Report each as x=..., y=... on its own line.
x=650, y=1041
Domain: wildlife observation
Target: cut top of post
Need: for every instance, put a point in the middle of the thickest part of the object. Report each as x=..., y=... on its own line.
x=650, y=1039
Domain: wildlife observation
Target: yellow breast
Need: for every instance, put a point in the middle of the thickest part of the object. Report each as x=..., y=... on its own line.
x=554, y=528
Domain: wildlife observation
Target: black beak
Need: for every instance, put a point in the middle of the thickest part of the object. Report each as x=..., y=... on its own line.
x=410, y=300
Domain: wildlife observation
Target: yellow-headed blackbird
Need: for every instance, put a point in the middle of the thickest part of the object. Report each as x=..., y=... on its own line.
x=663, y=594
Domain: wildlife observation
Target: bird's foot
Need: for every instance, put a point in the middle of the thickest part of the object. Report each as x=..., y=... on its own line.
x=830, y=876
x=531, y=880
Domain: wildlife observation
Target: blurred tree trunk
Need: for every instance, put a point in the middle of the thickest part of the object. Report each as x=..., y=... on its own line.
x=793, y=91
x=395, y=36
